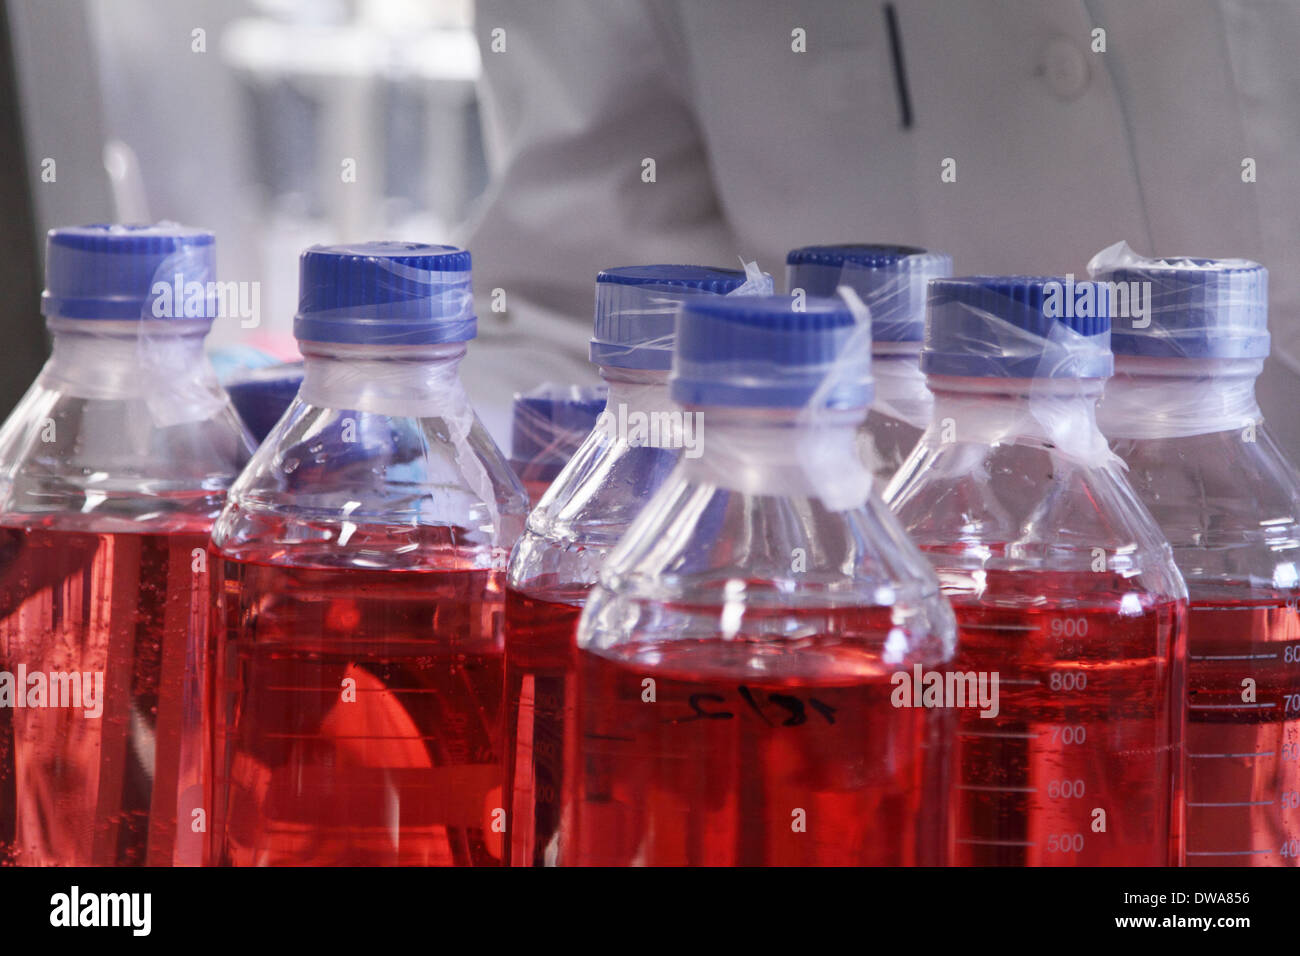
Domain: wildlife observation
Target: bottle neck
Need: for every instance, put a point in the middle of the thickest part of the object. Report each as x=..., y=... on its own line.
x=782, y=453
x=101, y=350
x=1155, y=398
x=162, y=363
x=1058, y=415
x=412, y=381
x=900, y=389
x=637, y=390
x=640, y=412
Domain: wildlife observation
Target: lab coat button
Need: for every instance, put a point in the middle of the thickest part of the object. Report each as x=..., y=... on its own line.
x=1065, y=68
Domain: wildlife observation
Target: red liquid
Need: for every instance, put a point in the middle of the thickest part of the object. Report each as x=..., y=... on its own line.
x=1080, y=767
x=810, y=766
x=1243, y=756
x=540, y=715
x=357, y=717
x=535, y=490
x=83, y=790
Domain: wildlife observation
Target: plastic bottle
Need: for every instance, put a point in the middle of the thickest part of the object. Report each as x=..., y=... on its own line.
x=891, y=281
x=1181, y=412
x=112, y=469
x=1061, y=583
x=361, y=562
x=736, y=662
x=586, y=510
x=550, y=423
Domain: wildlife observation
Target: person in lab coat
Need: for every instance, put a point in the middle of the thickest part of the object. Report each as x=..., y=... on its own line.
x=1021, y=136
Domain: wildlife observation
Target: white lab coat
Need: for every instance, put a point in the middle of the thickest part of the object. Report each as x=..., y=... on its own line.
x=1059, y=150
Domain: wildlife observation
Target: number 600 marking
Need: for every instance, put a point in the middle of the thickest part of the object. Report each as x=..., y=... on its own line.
x=1065, y=789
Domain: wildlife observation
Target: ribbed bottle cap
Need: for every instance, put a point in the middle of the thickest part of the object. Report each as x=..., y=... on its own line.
x=636, y=310
x=549, y=424
x=1017, y=327
x=1184, y=307
x=764, y=352
x=385, y=293
x=890, y=280
x=111, y=271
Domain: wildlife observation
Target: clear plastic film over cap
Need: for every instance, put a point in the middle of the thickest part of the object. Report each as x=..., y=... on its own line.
x=110, y=271
x=549, y=424
x=1048, y=331
x=773, y=351
x=636, y=308
x=385, y=293
x=1183, y=307
x=890, y=280
x=1019, y=327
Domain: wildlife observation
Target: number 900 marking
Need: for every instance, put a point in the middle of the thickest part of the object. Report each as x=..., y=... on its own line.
x=1069, y=627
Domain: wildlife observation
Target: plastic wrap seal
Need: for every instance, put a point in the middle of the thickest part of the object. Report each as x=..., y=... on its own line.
x=790, y=457
x=890, y=280
x=840, y=484
x=1048, y=334
x=645, y=395
x=1027, y=327
x=131, y=306
x=1184, y=307
x=636, y=308
x=128, y=361
x=807, y=370
x=1060, y=418
x=1190, y=337
x=901, y=392
x=1156, y=398
x=385, y=293
x=767, y=352
x=549, y=423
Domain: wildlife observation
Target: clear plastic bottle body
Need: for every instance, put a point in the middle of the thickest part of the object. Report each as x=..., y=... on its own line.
x=357, y=651
x=1229, y=503
x=115, y=464
x=1064, y=587
x=557, y=561
x=735, y=666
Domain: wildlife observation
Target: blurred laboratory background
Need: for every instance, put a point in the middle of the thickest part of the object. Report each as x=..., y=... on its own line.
x=236, y=115
x=559, y=137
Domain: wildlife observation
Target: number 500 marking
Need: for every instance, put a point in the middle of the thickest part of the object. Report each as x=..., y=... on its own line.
x=1065, y=843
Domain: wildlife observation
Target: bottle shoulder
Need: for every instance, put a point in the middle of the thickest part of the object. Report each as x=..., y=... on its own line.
x=587, y=510
x=339, y=469
x=1011, y=507
x=1228, y=501
x=601, y=490
x=701, y=555
x=132, y=458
